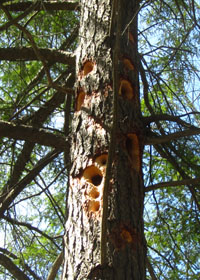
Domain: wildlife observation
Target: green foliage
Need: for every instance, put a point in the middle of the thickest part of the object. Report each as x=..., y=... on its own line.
x=169, y=47
x=33, y=227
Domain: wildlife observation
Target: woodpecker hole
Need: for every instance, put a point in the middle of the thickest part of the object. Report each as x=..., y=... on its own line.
x=128, y=64
x=131, y=39
x=101, y=160
x=133, y=149
x=94, y=193
x=129, y=145
x=80, y=100
x=93, y=175
x=88, y=67
x=126, y=235
x=126, y=89
x=93, y=206
x=96, y=180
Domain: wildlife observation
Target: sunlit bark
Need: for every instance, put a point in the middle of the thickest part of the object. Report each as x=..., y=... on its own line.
x=91, y=127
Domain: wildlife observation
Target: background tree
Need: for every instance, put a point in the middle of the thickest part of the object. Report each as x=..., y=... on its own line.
x=38, y=40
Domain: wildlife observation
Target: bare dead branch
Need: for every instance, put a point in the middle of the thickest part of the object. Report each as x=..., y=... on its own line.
x=145, y=85
x=55, y=267
x=17, y=19
x=12, y=268
x=150, y=269
x=162, y=256
x=167, y=117
x=9, y=254
x=32, y=134
x=54, y=203
x=28, y=54
x=172, y=136
x=184, y=182
x=20, y=164
x=44, y=5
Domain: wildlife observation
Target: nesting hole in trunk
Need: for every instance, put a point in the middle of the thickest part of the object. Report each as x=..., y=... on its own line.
x=88, y=67
x=128, y=64
x=94, y=193
x=133, y=149
x=126, y=235
x=131, y=38
x=93, y=175
x=80, y=100
x=126, y=89
x=96, y=180
x=93, y=206
x=102, y=160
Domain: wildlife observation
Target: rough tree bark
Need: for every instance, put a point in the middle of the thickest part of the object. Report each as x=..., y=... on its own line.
x=91, y=134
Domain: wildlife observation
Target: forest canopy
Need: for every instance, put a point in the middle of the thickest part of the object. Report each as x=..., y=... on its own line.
x=38, y=45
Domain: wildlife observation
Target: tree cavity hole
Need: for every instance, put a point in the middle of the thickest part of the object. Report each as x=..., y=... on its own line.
x=126, y=89
x=102, y=160
x=126, y=235
x=80, y=100
x=133, y=149
x=94, y=193
x=96, y=180
x=130, y=36
x=88, y=67
x=93, y=175
x=94, y=206
x=128, y=64
x=129, y=146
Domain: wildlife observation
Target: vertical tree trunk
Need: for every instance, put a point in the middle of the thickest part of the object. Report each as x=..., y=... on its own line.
x=91, y=126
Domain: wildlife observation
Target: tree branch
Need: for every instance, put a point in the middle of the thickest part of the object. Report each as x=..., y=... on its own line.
x=166, y=117
x=150, y=269
x=37, y=120
x=33, y=44
x=45, y=5
x=27, y=54
x=65, y=45
x=8, y=253
x=12, y=268
x=27, y=268
x=32, y=134
x=172, y=184
x=55, y=267
x=161, y=255
x=163, y=151
x=20, y=17
x=170, y=137
x=8, y=196
x=30, y=227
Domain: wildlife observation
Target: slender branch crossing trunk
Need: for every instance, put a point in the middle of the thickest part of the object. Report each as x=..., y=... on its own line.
x=91, y=134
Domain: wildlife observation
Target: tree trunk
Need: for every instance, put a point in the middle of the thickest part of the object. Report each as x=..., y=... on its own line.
x=91, y=127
